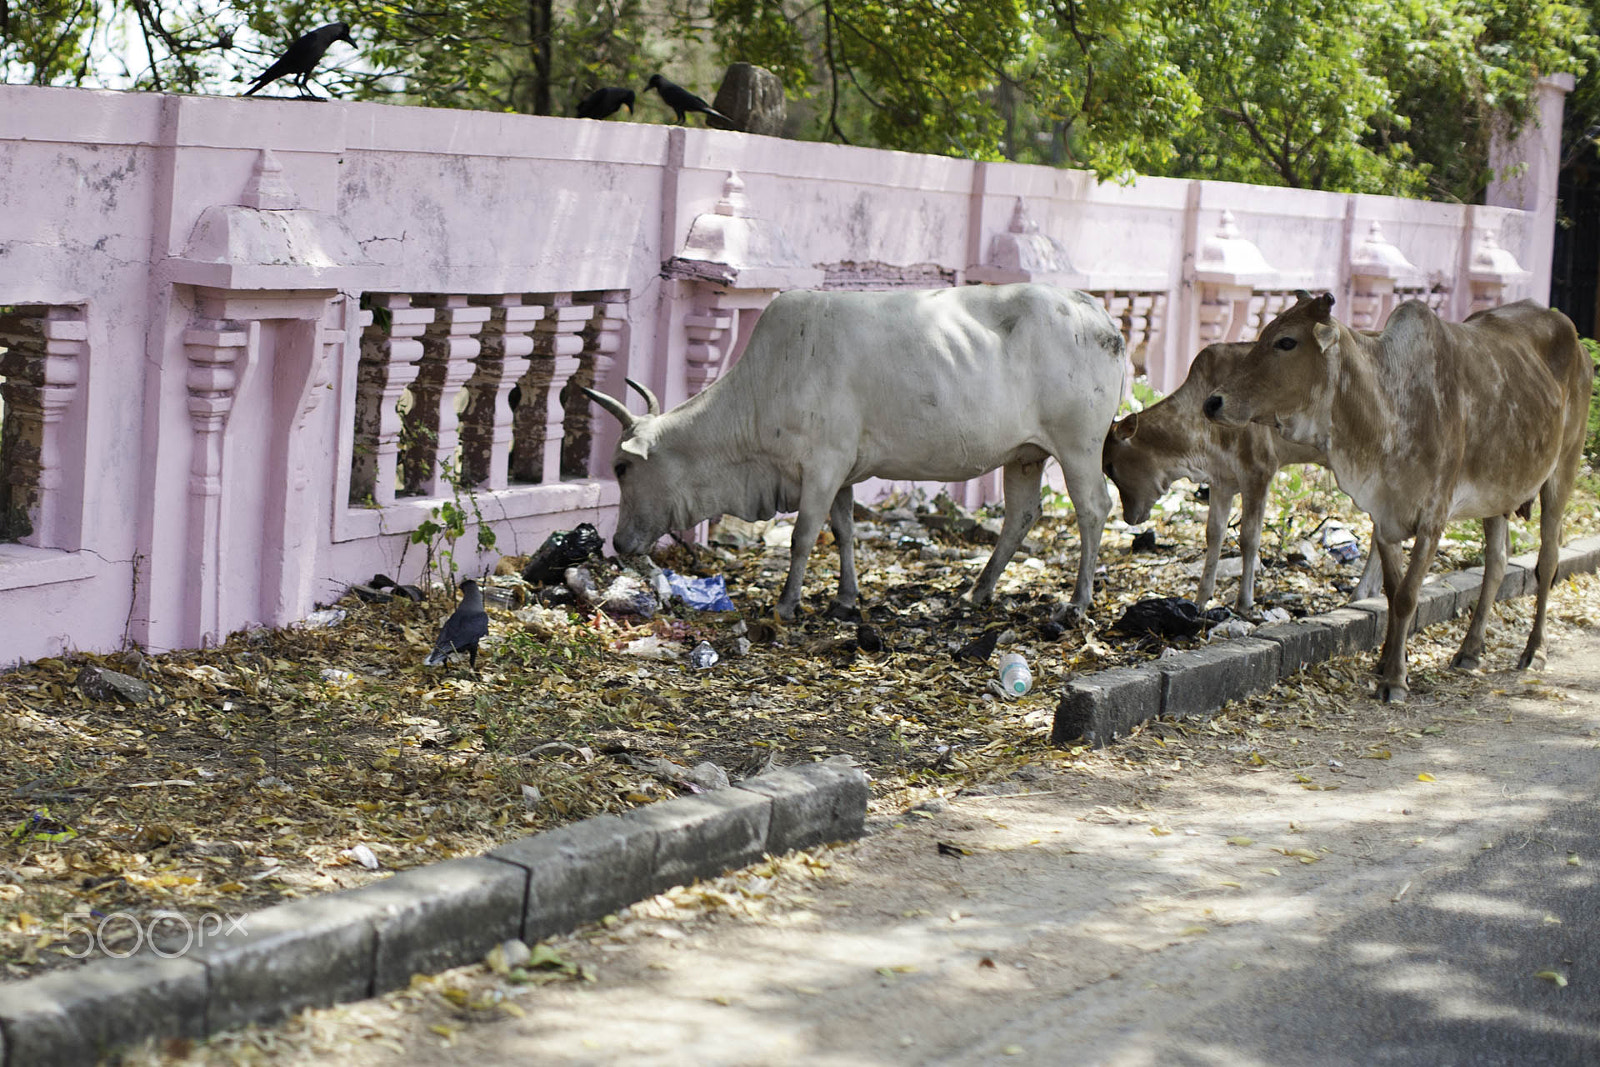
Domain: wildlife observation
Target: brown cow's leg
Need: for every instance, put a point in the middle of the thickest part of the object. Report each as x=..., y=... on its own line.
x=1389, y=563
x=1371, y=575
x=1402, y=611
x=1495, y=533
x=1021, y=486
x=1552, y=507
x=1217, y=510
x=1250, y=520
x=842, y=518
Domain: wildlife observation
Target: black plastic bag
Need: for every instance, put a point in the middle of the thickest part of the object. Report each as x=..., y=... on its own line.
x=562, y=549
x=1166, y=616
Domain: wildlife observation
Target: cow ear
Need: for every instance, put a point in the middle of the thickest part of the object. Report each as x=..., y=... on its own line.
x=1301, y=296
x=1327, y=336
x=635, y=447
x=1124, y=429
x=1321, y=306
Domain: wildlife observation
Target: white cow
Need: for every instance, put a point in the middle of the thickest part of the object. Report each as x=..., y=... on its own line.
x=835, y=388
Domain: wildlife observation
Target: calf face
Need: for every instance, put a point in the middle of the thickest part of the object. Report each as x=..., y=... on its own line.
x=1287, y=379
x=1140, y=474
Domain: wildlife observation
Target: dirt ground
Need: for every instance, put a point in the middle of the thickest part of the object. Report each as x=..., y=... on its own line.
x=1086, y=908
x=298, y=761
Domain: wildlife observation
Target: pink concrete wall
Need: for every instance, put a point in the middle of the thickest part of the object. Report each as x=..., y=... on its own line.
x=203, y=391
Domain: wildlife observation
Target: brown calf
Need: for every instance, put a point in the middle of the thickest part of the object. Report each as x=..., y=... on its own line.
x=1427, y=422
x=1171, y=439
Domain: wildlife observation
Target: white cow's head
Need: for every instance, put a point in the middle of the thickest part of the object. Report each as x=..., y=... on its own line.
x=650, y=477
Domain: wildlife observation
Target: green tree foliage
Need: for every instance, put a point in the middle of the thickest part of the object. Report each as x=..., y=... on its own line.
x=532, y=56
x=1064, y=81
x=48, y=43
x=1459, y=68
x=1289, y=97
x=1398, y=96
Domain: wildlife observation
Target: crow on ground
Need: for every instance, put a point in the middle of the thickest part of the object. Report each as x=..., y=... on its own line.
x=604, y=102
x=303, y=56
x=682, y=100
x=463, y=630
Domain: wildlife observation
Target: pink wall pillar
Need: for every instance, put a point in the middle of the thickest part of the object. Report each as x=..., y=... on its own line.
x=218, y=352
x=1527, y=166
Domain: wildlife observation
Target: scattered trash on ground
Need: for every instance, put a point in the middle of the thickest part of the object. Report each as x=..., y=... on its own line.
x=561, y=550
x=1015, y=676
x=703, y=594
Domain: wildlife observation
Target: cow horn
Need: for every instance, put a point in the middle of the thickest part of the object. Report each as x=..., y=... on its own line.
x=613, y=405
x=652, y=406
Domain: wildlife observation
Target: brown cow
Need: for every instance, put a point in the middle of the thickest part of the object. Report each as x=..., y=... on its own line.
x=1427, y=422
x=1171, y=439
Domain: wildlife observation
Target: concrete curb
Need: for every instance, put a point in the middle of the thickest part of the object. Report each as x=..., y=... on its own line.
x=355, y=944
x=1102, y=706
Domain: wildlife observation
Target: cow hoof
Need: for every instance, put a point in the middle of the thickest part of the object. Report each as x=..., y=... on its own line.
x=1068, y=615
x=1389, y=693
x=1532, y=661
x=841, y=613
x=1464, y=662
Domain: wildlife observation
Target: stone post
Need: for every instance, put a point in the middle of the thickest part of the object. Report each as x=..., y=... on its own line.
x=449, y=346
x=602, y=341
x=40, y=367
x=1376, y=267
x=537, y=426
x=217, y=352
x=389, y=354
x=486, y=432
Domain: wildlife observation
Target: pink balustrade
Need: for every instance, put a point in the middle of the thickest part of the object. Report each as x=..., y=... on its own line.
x=248, y=345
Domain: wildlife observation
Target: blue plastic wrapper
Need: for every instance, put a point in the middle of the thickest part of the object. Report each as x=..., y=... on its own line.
x=703, y=594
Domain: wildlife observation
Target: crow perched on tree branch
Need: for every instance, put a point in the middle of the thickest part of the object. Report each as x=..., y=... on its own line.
x=303, y=56
x=682, y=100
x=604, y=102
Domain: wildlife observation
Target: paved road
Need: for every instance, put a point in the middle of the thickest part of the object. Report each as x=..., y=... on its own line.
x=1316, y=908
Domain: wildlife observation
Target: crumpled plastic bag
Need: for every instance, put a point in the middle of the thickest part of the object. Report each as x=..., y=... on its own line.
x=626, y=595
x=563, y=549
x=703, y=594
x=1167, y=616
x=1341, y=543
x=652, y=647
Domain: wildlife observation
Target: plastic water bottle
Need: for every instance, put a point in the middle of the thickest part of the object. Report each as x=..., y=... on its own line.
x=1015, y=677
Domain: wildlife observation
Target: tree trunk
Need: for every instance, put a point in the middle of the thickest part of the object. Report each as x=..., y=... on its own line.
x=539, y=30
